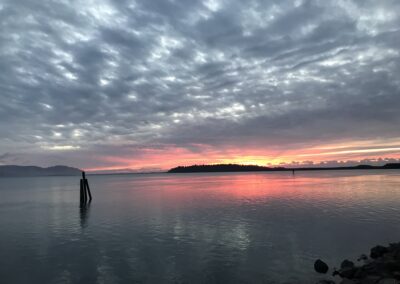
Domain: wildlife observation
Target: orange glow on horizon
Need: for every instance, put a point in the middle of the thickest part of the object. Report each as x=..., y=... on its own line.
x=153, y=159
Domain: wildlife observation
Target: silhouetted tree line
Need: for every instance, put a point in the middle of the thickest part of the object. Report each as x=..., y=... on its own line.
x=254, y=168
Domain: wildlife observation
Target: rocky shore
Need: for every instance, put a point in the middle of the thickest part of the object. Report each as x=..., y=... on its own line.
x=381, y=267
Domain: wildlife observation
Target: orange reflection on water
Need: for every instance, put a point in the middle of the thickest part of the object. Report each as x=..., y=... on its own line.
x=341, y=187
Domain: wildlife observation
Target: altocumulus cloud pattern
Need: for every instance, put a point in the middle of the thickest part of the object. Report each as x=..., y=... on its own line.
x=117, y=83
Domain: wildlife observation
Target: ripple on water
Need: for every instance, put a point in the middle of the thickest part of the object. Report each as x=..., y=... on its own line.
x=209, y=228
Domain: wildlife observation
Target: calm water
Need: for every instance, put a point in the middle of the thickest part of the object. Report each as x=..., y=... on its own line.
x=193, y=228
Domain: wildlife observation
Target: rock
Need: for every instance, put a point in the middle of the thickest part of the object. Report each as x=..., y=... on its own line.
x=348, y=281
x=382, y=268
x=378, y=251
x=396, y=275
x=360, y=274
x=371, y=279
x=392, y=265
x=346, y=264
x=370, y=268
x=388, y=281
x=347, y=272
x=320, y=266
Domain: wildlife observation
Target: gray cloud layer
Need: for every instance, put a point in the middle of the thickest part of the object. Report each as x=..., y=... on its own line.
x=105, y=76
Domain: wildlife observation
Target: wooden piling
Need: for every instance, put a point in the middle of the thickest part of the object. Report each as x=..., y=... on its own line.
x=85, y=193
x=81, y=192
x=88, y=190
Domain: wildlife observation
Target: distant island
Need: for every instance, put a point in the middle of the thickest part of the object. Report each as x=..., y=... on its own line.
x=33, y=171
x=254, y=168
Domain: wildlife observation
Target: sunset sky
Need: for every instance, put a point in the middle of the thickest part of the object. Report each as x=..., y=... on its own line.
x=152, y=84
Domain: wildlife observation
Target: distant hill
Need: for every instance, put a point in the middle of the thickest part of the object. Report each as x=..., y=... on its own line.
x=253, y=168
x=31, y=171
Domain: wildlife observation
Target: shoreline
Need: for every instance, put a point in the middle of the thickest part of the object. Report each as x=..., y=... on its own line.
x=382, y=266
x=254, y=168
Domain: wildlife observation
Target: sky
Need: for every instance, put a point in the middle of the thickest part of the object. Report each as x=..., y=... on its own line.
x=152, y=84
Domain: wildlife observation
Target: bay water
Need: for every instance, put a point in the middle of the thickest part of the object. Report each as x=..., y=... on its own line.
x=193, y=228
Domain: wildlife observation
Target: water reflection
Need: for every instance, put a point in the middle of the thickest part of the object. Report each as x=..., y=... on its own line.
x=204, y=228
x=84, y=210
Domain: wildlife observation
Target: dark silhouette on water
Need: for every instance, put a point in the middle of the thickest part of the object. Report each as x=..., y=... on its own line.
x=254, y=168
x=85, y=190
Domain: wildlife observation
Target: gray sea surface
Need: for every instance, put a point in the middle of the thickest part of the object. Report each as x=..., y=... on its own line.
x=193, y=228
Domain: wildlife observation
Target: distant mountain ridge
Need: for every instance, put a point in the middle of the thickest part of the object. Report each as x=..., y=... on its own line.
x=254, y=168
x=32, y=171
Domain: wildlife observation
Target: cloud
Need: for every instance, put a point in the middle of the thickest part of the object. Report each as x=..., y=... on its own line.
x=85, y=76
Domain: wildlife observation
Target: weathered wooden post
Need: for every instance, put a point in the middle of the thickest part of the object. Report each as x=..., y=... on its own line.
x=88, y=189
x=82, y=195
x=85, y=190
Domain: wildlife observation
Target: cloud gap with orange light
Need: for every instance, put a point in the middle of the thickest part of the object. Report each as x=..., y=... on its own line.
x=154, y=84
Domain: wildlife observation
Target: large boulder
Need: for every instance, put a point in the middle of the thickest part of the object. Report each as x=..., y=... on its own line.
x=320, y=266
x=378, y=251
x=347, y=264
